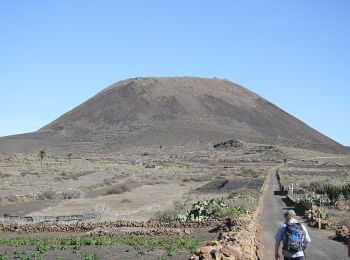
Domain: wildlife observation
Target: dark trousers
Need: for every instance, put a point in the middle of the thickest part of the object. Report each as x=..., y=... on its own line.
x=295, y=258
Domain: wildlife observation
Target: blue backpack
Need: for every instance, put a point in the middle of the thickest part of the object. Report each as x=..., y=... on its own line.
x=293, y=240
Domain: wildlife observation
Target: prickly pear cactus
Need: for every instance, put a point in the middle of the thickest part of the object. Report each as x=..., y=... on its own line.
x=203, y=210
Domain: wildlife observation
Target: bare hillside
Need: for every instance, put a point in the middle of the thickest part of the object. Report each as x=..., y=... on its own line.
x=172, y=112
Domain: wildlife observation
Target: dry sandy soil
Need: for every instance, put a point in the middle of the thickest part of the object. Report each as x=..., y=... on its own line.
x=132, y=190
x=175, y=177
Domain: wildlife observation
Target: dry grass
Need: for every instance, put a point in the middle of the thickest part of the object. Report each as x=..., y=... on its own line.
x=12, y=199
x=100, y=210
x=73, y=176
x=47, y=195
x=29, y=173
x=125, y=201
x=71, y=194
x=342, y=217
x=246, y=199
x=171, y=214
x=119, y=189
x=156, y=182
x=194, y=179
x=4, y=175
x=313, y=177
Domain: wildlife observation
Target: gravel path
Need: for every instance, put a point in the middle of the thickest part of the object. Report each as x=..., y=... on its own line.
x=321, y=247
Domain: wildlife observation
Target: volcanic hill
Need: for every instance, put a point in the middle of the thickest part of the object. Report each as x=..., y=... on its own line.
x=172, y=112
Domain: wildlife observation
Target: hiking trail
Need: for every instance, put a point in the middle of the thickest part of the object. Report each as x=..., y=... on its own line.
x=273, y=207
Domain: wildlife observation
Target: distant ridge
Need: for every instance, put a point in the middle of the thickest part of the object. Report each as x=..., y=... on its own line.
x=169, y=111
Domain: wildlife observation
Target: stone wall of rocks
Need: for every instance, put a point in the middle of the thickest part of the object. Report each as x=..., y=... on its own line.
x=87, y=226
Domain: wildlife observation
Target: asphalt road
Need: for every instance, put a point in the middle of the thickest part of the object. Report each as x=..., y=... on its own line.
x=321, y=246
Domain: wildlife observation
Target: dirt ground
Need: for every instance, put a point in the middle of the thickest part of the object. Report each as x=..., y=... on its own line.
x=135, y=187
x=151, y=181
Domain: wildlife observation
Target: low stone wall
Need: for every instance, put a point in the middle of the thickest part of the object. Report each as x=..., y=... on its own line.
x=87, y=226
x=51, y=219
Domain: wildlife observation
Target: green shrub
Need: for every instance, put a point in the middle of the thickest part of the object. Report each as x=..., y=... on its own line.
x=346, y=191
x=213, y=209
x=333, y=191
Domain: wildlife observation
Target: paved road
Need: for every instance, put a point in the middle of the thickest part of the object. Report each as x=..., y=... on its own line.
x=321, y=247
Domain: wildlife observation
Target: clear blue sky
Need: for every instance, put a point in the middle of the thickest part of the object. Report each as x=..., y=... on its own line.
x=56, y=54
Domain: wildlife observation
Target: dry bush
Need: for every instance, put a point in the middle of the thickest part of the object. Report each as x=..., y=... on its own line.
x=47, y=195
x=342, y=218
x=171, y=214
x=125, y=201
x=4, y=175
x=107, y=182
x=73, y=176
x=119, y=189
x=221, y=174
x=249, y=172
x=246, y=199
x=100, y=210
x=157, y=182
x=194, y=179
x=12, y=198
x=71, y=194
x=342, y=205
x=29, y=173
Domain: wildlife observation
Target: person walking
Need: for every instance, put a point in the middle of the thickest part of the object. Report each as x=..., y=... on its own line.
x=294, y=236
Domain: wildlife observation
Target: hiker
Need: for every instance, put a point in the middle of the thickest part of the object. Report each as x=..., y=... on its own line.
x=294, y=236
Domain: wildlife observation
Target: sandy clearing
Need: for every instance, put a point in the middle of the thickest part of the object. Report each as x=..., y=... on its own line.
x=145, y=201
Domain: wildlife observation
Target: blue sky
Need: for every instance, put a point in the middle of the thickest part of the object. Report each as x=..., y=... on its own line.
x=56, y=54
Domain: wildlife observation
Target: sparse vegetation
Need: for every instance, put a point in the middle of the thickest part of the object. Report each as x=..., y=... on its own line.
x=74, y=175
x=171, y=214
x=71, y=194
x=42, y=155
x=78, y=245
x=245, y=199
x=194, y=179
x=100, y=210
x=47, y=195
x=69, y=156
x=119, y=189
x=25, y=173
x=213, y=209
x=333, y=192
x=4, y=175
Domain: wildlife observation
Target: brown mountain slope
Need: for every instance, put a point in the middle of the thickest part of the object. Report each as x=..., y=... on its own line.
x=178, y=111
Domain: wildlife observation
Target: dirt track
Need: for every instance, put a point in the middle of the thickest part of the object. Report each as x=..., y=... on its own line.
x=321, y=247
